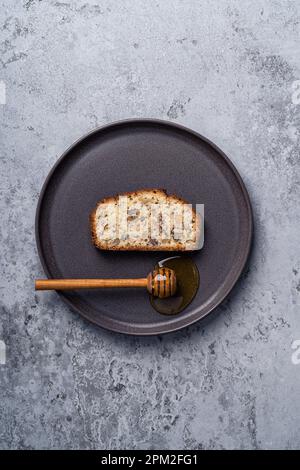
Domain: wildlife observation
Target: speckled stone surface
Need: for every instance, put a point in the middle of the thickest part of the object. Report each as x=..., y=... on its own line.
x=226, y=69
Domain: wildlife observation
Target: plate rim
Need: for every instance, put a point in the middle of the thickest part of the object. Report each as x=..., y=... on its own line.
x=184, y=322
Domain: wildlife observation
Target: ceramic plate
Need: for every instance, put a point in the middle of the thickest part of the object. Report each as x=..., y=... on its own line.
x=126, y=156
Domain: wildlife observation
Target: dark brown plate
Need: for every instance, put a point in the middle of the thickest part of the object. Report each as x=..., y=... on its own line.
x=125, y=156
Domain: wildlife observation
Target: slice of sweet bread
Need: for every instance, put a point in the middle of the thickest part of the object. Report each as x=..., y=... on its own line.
x=145, y=220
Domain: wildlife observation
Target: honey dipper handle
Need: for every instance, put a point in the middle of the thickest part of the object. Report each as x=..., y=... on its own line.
x=69, y=284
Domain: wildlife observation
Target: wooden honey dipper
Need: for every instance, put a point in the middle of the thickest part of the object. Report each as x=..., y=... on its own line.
x=160, y=283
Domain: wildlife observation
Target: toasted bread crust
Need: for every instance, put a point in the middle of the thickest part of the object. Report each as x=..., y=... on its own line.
x=142, y=247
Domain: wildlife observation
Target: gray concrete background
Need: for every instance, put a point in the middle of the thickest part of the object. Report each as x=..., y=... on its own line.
x=226, y=69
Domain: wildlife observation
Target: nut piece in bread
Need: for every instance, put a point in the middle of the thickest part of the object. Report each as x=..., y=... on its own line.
x=146, y=220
